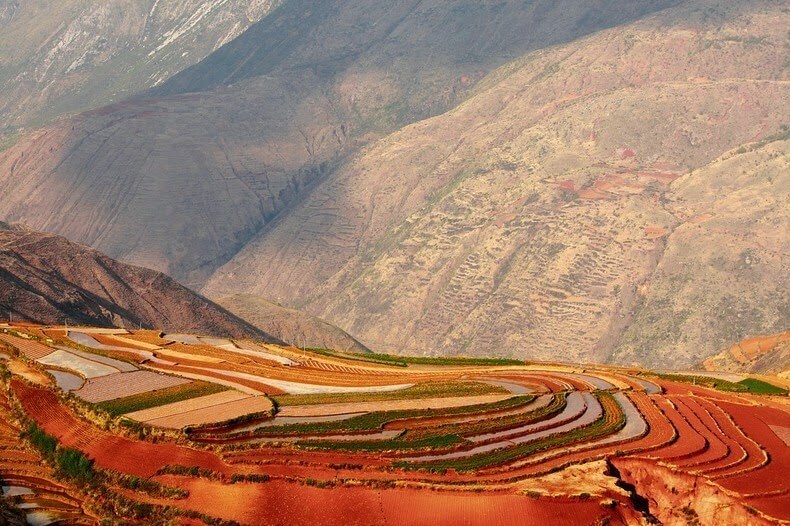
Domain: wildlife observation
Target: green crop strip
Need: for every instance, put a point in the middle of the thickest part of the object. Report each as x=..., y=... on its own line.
x=440, y=437
x=423, y=390
x=495, y=424
x=611, y=421
x=374, y=421
x=396, y=444
x=70, y=463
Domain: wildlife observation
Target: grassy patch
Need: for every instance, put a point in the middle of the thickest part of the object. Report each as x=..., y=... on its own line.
x=75, y=465
x=169, y=395
x=150, y=487
x=753, y=385
x=423, y=390
x=43, y=442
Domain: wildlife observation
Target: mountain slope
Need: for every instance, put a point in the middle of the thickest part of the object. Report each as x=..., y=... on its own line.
x=181, y=181
x=66, y=56
x=47, y=279
x=290, y=325
x=532, y=219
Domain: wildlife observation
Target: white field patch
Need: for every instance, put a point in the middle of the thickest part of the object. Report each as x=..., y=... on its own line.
x=125, y=367
x=300, y=388
x=66, y=381
x=217, y=413
x=144, y=415
x=121, y=385
x=255, y=352
x=82, y=366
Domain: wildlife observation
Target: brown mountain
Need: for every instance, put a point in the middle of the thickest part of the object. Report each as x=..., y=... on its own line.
x=589, y=201
x=45, y=278
x=181, y=181
x=290, y=325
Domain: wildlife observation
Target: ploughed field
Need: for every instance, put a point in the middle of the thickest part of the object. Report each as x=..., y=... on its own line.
x=189, y=429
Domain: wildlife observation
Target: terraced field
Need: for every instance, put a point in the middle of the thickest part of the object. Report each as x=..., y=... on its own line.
x=32, y=486
x=313, y=432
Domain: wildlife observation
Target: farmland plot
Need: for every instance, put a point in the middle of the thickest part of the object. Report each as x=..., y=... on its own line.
x=388, y=405
x=116, y=364
x=216, y=413
x=31, y=349
x=185, y=406
x=120, y=385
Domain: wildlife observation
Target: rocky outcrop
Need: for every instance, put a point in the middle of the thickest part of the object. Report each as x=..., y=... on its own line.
x=679, y=498
x=768, y=354
x=598, y=181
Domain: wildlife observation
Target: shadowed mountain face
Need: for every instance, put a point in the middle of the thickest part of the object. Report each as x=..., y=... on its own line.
x=47, y=279
x=181, y=183
x=456, y=177
x=59, y=57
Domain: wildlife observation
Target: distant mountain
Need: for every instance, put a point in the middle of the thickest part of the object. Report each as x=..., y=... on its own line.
x=181, y=181
x=47, y=279
x=62, y=56
x=290, y=325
